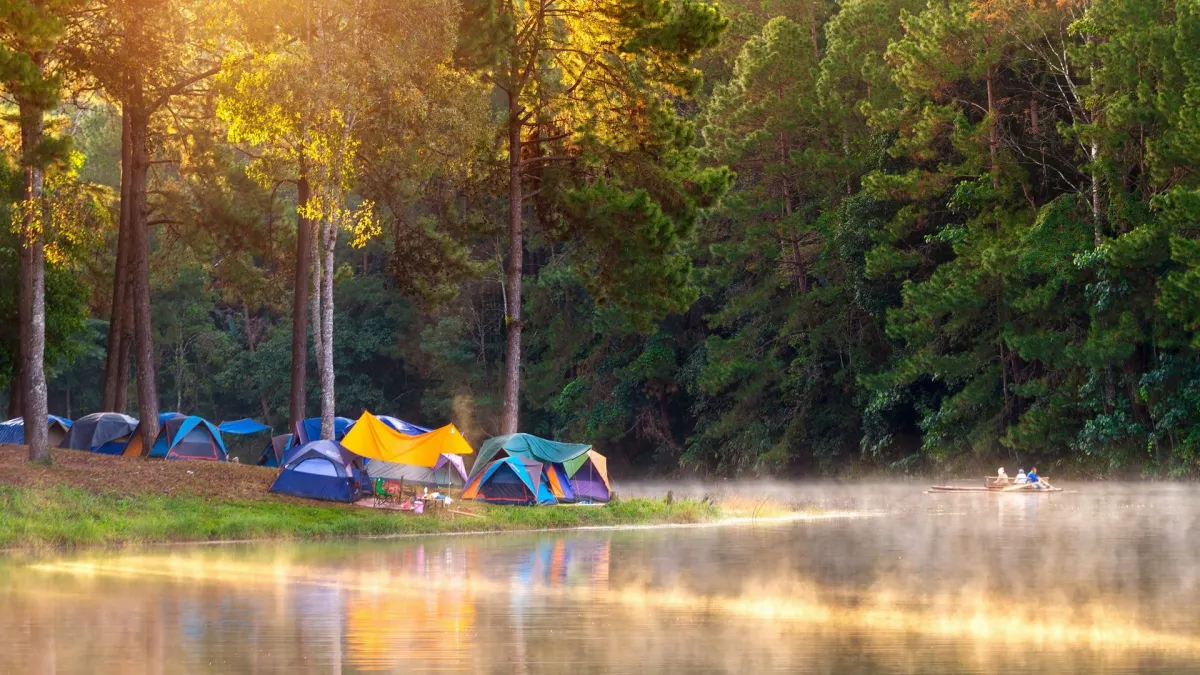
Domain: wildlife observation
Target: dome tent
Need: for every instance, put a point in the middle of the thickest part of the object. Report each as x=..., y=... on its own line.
x=321, y=470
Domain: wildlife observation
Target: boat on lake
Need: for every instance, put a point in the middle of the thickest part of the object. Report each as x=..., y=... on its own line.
x=992, y=486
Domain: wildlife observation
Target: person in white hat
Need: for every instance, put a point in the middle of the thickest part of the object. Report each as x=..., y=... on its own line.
x=1001, y=477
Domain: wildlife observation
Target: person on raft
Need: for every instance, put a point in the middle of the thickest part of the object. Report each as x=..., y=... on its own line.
x=1037, y=482
x=1002, y=477
x=1021, y=477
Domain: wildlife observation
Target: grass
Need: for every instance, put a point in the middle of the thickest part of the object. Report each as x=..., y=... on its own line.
x=63, y=516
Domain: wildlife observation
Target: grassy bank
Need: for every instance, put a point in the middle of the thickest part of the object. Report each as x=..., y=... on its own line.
x=83, y=499
x=64, y=516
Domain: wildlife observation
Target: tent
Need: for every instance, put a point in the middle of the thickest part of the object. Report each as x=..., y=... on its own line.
x=321, y=470
x=273, y=454
x=13, y=431
x=105, y=433
x=528, y=446
x=245, y=427
x=448, y=472
x=310, y=429
x=512, y=480
x=589, y=476
x=555, y=477
x=189, y=438
x=374, y=440
x=134, y=448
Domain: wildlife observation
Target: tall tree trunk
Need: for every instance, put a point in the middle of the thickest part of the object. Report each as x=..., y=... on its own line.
x=993, y=132
x=516, y=260
x=121, y=402
x=318, y=352
x=31, y=304
x=300, y=305
x=117, y=347
x=327, y=375
x=147, y=382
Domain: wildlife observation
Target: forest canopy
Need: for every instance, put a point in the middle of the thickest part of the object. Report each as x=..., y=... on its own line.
x=759, y=237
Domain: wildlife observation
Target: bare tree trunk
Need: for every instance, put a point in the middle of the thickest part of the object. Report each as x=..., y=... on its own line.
x=300, y=305
x=121, y=402
x=327, y=375
x=117, y=347
x=1097, y=231
x=31, y=305
x=509, y=420
x=147, y=382
x=318, y=352
x=993, y=132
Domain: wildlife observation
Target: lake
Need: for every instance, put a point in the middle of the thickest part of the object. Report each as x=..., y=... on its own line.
x=1102, y=578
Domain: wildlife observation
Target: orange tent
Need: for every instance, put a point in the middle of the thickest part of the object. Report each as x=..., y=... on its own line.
x=373, y=439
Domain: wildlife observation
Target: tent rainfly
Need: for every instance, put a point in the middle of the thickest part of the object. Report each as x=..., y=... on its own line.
x=104, y=433
x=374, y=440
x=529, y=447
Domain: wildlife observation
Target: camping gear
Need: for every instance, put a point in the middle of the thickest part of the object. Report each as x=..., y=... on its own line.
x=374, y=440
x=528, y=446
x=449, y=470
x=555, y=477
x=134, y=447
x=243, y=427
x=12, y=432
x=321, y=470
x=276, y=449
x=310, y=429
x=105, y=433
x=512, y=480
x=589, y=477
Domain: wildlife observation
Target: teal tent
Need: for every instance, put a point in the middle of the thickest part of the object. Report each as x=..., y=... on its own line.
x=527, y=446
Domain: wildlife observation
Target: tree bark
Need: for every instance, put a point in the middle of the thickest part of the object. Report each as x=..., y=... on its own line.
x=117, y=347
x=31, y=304
x=147, y=382
x=300, y=305
x=993, y=133
x=327, y=374
x=121, y=402
x=318, y=352
x=509, y=420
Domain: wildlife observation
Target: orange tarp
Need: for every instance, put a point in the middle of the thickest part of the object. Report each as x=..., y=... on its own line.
x=373, y=439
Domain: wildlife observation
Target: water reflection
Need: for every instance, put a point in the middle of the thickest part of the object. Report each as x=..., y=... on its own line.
x=1090, y=582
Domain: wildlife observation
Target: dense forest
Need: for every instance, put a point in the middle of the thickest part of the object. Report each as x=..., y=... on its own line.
x=767, y=237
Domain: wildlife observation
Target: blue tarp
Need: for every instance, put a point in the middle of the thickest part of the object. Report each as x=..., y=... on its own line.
x=243, y=427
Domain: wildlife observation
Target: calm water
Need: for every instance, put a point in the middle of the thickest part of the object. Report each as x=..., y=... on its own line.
x=1106, y=579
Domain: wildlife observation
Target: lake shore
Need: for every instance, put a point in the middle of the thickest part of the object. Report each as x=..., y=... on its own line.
x=83, y=500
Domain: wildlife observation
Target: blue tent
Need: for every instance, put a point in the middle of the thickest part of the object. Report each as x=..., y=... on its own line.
x=277, y=448
x=243, y=427
x=406, y=428
x=189, y=438
x=310, y=429
x=13, y=431
x=321, y=470
x=512, y=480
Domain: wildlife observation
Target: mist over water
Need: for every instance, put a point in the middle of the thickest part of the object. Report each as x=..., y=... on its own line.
x=1101, y=578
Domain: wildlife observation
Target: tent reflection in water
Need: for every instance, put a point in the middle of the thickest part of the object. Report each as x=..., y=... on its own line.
x=512, y=480
x=321, y=470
